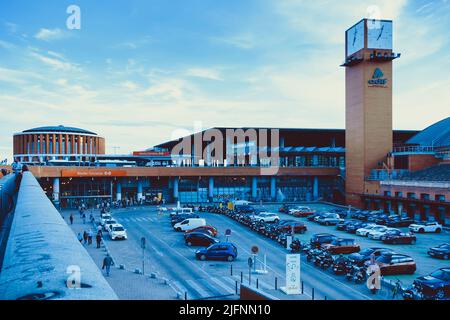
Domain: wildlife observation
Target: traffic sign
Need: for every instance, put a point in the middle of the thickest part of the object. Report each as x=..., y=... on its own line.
x=255, y=249
x=228, y=232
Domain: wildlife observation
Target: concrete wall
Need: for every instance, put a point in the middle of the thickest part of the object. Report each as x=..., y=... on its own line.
x=41, y=247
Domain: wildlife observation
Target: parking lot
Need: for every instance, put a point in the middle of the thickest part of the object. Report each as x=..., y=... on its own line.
x=167, y=255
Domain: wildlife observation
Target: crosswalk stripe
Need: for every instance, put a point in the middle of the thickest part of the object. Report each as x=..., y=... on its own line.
x=227, y=288
x=196, y=287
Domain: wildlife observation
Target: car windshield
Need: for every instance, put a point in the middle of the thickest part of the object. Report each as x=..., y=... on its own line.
x=118, y=229
x=366, y=252
x=444, y=246
x=384, y=259
x=441, y=275
x=111, y=221
x=379, y=228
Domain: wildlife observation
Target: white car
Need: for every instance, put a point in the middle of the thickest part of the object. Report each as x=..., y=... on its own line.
x=266, y=217
x=365, y=231
x=105, y=217
x=377, y=233
x=426, y=227
x=108, y=224
x=177, y=211
x=117, y=231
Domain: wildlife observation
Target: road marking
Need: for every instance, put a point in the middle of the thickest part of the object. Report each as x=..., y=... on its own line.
x=228, y=289
x=196, y=287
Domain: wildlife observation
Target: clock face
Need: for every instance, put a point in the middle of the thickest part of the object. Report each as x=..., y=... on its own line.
x=379, y=34
x=355, y=38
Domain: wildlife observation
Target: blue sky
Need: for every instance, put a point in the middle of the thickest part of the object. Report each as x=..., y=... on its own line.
x=141, y=72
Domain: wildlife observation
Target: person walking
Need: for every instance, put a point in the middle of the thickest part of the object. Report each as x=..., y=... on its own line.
x=85, y=237
x=71, y=218
x=84, y=218
x=80, y=237
x=90, y=236
x=98, y=238
x=107, y=263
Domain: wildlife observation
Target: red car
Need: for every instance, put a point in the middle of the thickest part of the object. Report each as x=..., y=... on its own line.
x=341, y=246
x=204, y=229
x=302, y=212
x=299, y=227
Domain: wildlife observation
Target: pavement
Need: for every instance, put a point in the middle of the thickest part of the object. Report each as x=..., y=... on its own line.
x=126, y=284
x=167, y=257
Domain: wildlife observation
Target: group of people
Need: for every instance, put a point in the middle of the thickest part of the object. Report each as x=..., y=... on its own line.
x=87, y=237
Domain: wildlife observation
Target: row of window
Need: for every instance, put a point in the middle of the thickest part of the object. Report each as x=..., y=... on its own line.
x=412, y=195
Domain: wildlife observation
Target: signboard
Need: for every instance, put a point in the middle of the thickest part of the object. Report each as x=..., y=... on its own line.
x=228, y=232
x=151, y=153
x=255, y=249
x=93, y=173
x=292, y=274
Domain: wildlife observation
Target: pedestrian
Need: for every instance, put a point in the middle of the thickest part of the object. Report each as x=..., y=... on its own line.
x=107, y=263
x=71, y=218
x=98, y=238
x=91, y=217
x=90, y=236
x=85, y=237
x=84, y=218
x=80, y=237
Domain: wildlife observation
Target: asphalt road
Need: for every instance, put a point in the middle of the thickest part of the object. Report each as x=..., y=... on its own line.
x=168, y=256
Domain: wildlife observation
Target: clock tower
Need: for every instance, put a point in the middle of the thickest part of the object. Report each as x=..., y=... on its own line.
x=368, y=103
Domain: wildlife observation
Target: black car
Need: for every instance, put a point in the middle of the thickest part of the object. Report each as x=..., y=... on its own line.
x=343, y=224
x=352, y=227
x=364, y=255
x=442, y=251
x=399, y=222
x=319, y=239
x=382, y=219
x=398, y=237
x=436, y=285
x=199, y=239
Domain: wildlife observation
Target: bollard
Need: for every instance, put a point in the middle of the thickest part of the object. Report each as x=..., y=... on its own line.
x=242, y=277
x=276, y=283
x=312, y=295
x=325, y=298
x=231, y=270
x=302, y=288
x=257, y=283
x=185, y=295
x=236, y=286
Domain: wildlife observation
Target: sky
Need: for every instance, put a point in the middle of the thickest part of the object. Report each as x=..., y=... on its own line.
x=140, y=72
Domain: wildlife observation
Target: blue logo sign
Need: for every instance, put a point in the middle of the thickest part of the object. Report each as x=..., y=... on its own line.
x=378, y=79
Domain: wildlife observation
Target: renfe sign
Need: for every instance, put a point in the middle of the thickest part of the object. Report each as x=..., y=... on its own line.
x=292, y=274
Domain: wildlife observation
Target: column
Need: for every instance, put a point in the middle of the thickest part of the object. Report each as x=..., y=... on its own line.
x=118, y=190
x=139, y=190
x=273, y=188
x=56, y=190
x=47, y=144
x=211, y=189
x=175, y=188
x=315, y=188
x=254, y=188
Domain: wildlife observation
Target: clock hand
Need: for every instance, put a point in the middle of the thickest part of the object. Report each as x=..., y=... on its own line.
x=381, y=32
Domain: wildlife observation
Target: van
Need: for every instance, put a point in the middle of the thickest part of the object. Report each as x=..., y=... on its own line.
x=189, y=223
x=177, y=211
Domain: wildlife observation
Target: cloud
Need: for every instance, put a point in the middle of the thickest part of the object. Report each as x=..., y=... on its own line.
x=50, y=34
x=205, y=73
x=244, y=41
x=129, y=85
x=6, y=45
x=55, y=60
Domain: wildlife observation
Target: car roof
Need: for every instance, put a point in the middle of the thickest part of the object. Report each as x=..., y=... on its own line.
x=116, y=225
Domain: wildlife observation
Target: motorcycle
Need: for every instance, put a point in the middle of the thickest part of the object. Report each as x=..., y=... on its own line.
x=342, y=266
x=326, y=261
x=296, y=246
x=360, y=275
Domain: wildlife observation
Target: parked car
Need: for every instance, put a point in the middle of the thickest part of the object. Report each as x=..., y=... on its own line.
x=442, y=251
x=426, y=227
x=398, y=237
x=178, y=211
x=434, y=285
x=108, y=223
x=299, y=227
x=341, y=225
x=218, y=251
x=266, y=217
x=210, y=230
x=302, y=211
x=341, y=246
x=244, y=208
x=395, y=263
x=381, y=219
x=359, y=258
x=330, y=219
x=377, y=232
x=319, y=239
x=104, y=218
x=285, y=208
x=352, y=227
x=180, y=217
x=312, y=217
x=190, y=223
x=117, y=231
x=365, y=230
x=199, y=239
x=399, y=222
x=377, y=235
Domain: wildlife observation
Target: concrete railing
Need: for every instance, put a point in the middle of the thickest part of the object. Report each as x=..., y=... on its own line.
x=43, y=258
